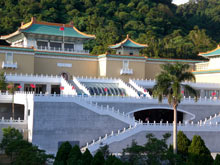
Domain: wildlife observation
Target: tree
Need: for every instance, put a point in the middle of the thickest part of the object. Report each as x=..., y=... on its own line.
x=217, y=160
x=182, y=144
x=11, y=89
x=198, y=152
x=75, y=156
x=9, y=135
x=63, y=153
x=105, y=151
x=112, y=160
x=87, y=158
x=169, y=83
x=154, y=151
x=133, y=153
x=21, y=151
x=98, y=159
x=3, y=84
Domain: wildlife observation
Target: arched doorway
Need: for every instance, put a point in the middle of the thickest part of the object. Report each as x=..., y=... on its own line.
x=65, y=76
x=157, y=115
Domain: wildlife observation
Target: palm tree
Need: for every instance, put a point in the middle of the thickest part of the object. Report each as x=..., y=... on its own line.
x=169, y=83
x=12, y=89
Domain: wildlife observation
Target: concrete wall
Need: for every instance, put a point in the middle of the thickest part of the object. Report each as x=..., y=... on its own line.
x=25, y=63
x=208, y=78
x=200, y=111
x=211, y=140
x=114, y=66
x=151, y=70
x=127, y=51
x=79, y=67
x=54, y=122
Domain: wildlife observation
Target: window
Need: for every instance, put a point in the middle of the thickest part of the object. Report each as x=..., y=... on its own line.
x=9, y=58
x=42, y=44
x=131, y=53
x=55, y=45
x=68, y=46
x=125, y=64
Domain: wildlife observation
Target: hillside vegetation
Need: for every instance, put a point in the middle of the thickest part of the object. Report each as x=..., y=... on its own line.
x=170, y=31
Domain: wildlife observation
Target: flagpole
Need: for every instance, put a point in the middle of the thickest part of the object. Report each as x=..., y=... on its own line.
x=63, y=36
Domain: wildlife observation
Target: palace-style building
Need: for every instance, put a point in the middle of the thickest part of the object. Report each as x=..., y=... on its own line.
x=66, y=94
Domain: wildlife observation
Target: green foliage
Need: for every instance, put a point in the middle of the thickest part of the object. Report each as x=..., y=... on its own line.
x=74, y=156
x=153, y=152
x=25, y=153
x=3, y=84
x=112, y=160
x=169, y=83
x=170, y=31
x=86, y=158
x=217, y=160
x=156, y=149
x=198, y=152
x=132, y=154
x=105, y=151
x=10, y=135
x=63, y=153
x=98, y=159
x=182, y=144
x=21, y=151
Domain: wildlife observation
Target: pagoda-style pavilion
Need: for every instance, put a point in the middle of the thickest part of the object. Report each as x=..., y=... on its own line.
x=48, y=36
x=128, y=47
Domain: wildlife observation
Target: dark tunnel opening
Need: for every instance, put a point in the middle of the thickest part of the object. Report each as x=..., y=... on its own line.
x=157, y=115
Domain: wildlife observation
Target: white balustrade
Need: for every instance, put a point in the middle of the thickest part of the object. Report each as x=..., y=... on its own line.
x=68, y=88
x=59, y=49
x=33, y=78
x=11, y=121
x=139, y=88
x=81, y=86
x=6, y=64
x=121, y=135
x=129, y=91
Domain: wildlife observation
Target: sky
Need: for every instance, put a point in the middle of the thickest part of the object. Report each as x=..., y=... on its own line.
x=178, y=2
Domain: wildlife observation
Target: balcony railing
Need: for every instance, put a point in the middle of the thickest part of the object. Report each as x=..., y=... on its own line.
x=6, y=64
x=202, y=66
x=58, y=49
x=126, y=71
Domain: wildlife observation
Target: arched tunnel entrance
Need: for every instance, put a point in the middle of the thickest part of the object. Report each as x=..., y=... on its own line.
x=157, y=115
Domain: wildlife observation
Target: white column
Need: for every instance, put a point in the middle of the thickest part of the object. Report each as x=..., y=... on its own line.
x=22, y=86
x=48, y=88
x=202, y=93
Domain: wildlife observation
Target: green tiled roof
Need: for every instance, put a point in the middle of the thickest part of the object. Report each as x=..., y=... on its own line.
x=16, y=48
x=128, y=43
x=54, y=30
x=173, y=60
x=64, y=54
x=206, y=71
x=215, y=52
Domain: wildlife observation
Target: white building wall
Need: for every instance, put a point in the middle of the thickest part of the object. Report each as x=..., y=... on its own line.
x=214, y=63
x=30, y=42
x=78, y=46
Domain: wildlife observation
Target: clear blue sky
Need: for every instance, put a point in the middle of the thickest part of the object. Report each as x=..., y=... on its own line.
x=178, y=2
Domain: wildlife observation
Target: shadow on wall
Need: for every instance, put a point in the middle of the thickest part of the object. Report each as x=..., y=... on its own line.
x=6, y=111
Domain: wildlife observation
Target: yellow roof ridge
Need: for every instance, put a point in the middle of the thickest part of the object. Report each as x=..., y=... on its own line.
x=126, y=39
x=218, y=47
x=34, y=21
